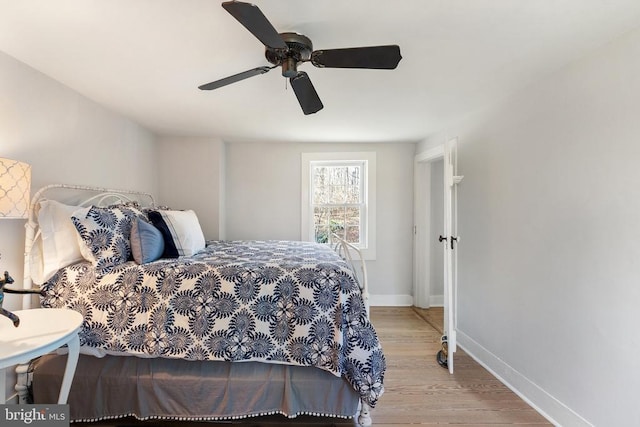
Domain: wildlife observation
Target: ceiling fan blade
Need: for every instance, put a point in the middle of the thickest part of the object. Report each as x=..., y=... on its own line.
x=254, y=20
x=234, y=78
x=306, y=93
x=376, y=57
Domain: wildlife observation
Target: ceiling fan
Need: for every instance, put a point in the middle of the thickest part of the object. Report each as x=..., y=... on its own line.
x=288, y=50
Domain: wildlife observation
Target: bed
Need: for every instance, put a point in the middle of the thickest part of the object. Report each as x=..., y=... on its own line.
x=197, y=330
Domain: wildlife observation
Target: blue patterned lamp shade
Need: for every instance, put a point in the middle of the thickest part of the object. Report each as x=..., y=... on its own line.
x=15, y=188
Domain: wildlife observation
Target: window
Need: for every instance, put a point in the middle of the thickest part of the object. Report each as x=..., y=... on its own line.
x=339, y=197
x=338, y=201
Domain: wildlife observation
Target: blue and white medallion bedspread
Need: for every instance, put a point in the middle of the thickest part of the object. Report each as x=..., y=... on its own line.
x=270, y=301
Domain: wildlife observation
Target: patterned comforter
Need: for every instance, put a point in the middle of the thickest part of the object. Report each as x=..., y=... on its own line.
x=270, y=301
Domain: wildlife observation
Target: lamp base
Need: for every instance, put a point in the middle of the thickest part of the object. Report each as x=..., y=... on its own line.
x=8, y=280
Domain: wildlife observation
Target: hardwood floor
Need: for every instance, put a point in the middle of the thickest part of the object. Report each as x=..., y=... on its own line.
x=433, y=316
x=417, y=389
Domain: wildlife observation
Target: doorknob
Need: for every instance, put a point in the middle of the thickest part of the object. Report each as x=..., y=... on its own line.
x=453, y=239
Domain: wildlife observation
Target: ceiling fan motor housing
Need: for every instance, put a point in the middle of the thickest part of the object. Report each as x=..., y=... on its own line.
x=299, y=50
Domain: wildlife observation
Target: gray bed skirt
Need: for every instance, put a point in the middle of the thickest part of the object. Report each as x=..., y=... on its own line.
x=116, y=387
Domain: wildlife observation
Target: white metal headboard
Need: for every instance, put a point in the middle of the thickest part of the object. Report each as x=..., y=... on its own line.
x=346, y=251
x=75, y=195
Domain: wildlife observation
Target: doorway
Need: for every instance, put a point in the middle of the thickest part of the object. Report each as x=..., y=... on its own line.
x=428, y=289
x=430, y=263
x=435, y=238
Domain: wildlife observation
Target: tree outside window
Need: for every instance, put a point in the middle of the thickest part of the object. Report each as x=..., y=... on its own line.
x=338, y=200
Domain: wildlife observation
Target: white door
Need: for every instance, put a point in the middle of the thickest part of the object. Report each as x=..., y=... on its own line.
x=450, y=242
x=424, y=236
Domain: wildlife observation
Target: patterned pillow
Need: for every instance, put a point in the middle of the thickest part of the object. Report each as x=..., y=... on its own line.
x=105, y=233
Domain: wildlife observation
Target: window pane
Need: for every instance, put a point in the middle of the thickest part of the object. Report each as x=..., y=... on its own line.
x=353, y=184
x=352, y=234
x=337, y=221
x=321, y=215
x=352, y=216
x=321, y=195
x=338, y=194
x=352, y=195
x=322, y=234
x=320, y=188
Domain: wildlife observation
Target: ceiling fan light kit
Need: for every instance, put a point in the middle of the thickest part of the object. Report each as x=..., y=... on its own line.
x=288, y=50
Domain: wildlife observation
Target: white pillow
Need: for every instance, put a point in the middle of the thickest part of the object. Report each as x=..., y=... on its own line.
x=181, y=232
x=36, y=262
x=60, y=246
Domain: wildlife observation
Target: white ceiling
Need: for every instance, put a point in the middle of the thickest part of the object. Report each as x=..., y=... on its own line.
x=146, y=58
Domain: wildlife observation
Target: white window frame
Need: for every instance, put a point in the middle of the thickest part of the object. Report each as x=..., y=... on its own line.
x=368, y=246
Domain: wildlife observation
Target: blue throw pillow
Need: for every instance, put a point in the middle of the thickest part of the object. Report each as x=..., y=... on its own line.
x=147, y=243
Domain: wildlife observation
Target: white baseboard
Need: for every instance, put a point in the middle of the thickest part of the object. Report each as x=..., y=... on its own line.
x=390, y=300
x=436, y=300
x=547, y=405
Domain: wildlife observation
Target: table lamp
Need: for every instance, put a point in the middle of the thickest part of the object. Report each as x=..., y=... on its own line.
x=15, y=193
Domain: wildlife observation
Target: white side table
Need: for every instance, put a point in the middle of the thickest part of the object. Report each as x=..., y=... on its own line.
x=41, y=331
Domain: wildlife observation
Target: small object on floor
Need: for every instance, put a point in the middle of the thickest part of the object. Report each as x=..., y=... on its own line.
x=442, y=355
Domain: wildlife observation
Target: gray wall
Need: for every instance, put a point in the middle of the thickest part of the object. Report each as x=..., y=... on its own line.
x=67, y=139
x=192, y=177
x=549, y=215
x=264, y=202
